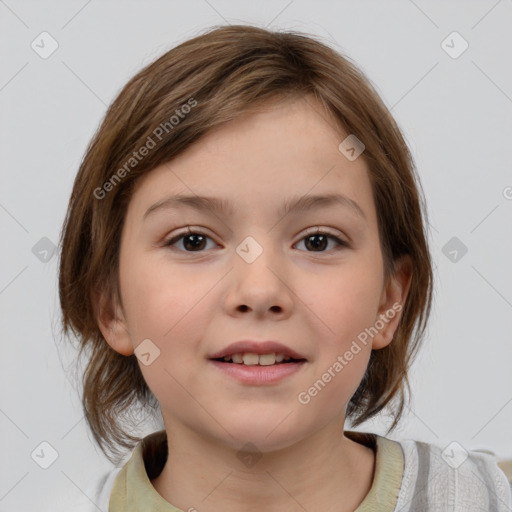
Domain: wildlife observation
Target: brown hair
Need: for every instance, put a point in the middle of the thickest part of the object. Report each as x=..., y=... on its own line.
x=223, y=73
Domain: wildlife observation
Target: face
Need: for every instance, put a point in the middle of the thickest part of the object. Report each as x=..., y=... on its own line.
x=310, y=277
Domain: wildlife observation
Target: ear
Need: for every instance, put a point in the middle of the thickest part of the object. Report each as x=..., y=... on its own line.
x=111, y=321
x=392, y=303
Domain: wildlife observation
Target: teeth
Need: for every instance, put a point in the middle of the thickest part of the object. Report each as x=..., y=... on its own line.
x=267, y=359
x=237, y=358
x=251, y=359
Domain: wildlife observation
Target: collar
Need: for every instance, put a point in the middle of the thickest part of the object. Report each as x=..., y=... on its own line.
x=133, y=491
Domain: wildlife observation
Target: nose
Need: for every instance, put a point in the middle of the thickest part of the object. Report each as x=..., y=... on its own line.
x=260, y=281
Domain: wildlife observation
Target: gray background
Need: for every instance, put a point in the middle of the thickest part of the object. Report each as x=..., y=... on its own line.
x=456, y=114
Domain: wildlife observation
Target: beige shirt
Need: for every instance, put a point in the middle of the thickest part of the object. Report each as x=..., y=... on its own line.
x=133, y=491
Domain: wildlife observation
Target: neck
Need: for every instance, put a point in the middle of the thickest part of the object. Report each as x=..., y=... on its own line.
x=326, y=471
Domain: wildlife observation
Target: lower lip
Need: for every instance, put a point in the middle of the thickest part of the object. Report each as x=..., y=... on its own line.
x=258, y=375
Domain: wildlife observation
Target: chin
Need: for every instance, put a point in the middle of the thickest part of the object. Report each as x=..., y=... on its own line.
x=264, y=436
x=259, y=443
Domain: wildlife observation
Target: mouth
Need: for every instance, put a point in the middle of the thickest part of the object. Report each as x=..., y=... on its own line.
x=258, y=369
x=258, y=363
x=263, y=353
x=253, y=359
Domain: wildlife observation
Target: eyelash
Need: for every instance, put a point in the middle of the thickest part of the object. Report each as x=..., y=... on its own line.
x=313, y=231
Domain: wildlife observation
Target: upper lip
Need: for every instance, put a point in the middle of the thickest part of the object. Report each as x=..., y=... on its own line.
x=256, y=347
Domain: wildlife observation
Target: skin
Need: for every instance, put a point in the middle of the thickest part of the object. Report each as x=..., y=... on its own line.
x=191, y=304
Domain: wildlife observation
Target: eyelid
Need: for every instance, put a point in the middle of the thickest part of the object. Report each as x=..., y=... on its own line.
x=313, y=230
x=186, y=230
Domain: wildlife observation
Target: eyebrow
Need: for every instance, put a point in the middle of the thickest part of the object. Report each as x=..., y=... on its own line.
x=226, y=207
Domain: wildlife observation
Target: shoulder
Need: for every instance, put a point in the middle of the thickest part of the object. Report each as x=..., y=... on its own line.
x=452, y=478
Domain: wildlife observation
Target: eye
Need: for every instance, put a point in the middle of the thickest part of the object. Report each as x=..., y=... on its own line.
x=193, y=241
x=196, y=241
x=319, y=240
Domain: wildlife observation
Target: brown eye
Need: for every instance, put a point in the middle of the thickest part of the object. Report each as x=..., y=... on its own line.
x=318, y=242
x=192, y=241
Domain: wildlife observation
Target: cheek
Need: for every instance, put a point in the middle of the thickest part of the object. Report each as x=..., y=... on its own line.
x=170, y=310
x=344, y=302
x=161, y=301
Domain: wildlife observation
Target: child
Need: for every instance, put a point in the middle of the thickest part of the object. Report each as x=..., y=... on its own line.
x=245, y=249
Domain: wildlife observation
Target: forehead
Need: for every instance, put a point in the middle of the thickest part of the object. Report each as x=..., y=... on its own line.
x=261, y=159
